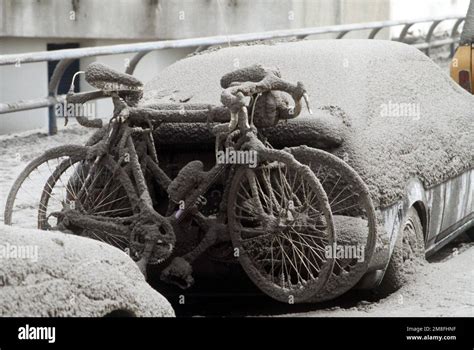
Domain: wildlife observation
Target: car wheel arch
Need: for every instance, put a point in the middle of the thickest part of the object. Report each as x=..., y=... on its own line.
x=422, y=212
x=415, y=197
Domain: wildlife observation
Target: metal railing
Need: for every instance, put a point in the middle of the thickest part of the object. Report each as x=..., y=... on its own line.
x=66, y=57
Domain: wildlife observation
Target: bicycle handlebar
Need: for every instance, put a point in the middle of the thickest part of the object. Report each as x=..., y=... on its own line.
x=81, y=98
x=237, y=85
x=257, y=79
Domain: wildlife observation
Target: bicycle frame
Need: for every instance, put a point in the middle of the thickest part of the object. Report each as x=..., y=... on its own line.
x=239, y=134
x=274, y=210
x=131, y=119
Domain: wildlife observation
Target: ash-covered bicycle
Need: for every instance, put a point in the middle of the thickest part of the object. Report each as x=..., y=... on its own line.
x=275, y=211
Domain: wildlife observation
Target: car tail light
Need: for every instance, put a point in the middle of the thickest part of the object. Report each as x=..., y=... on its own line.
x=465, y=80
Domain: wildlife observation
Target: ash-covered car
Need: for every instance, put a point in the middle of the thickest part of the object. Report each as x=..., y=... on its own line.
x=221, y=159
x=383, y=108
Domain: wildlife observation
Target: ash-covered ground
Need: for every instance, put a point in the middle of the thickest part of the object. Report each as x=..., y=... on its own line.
x=443, y=287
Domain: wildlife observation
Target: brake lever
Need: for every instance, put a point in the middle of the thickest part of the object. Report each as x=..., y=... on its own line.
x=121, y=109
x=69, y=94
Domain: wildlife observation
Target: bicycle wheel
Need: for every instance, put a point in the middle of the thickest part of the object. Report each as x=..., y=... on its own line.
x=56, y=181
x=280, y=223
x=22, y=203
x=354, y=218
x=95, y=192
x=91, y=198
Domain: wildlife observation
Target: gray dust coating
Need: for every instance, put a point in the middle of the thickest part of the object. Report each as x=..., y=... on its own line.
x=371, y=81
x=45, y=274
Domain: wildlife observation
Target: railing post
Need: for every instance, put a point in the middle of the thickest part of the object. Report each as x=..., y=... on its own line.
x=52, y=120
x=430, y=35
x=454, y=32
x=374, y=32
x=135, y=60
x=341, y=34
x=404, y=32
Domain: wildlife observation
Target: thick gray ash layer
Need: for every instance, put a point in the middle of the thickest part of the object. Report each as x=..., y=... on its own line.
x=52, y=274
x=404, y=117
x=322, y=131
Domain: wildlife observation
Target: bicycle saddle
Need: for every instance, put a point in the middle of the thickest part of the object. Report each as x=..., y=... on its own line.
x=108, y=80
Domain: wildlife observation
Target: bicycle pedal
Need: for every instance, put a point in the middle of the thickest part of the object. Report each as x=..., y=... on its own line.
x=179, y=273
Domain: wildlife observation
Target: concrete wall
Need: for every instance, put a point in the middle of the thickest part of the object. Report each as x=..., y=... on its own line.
x=171, y=19
x=25, y=81
x=151, y=19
